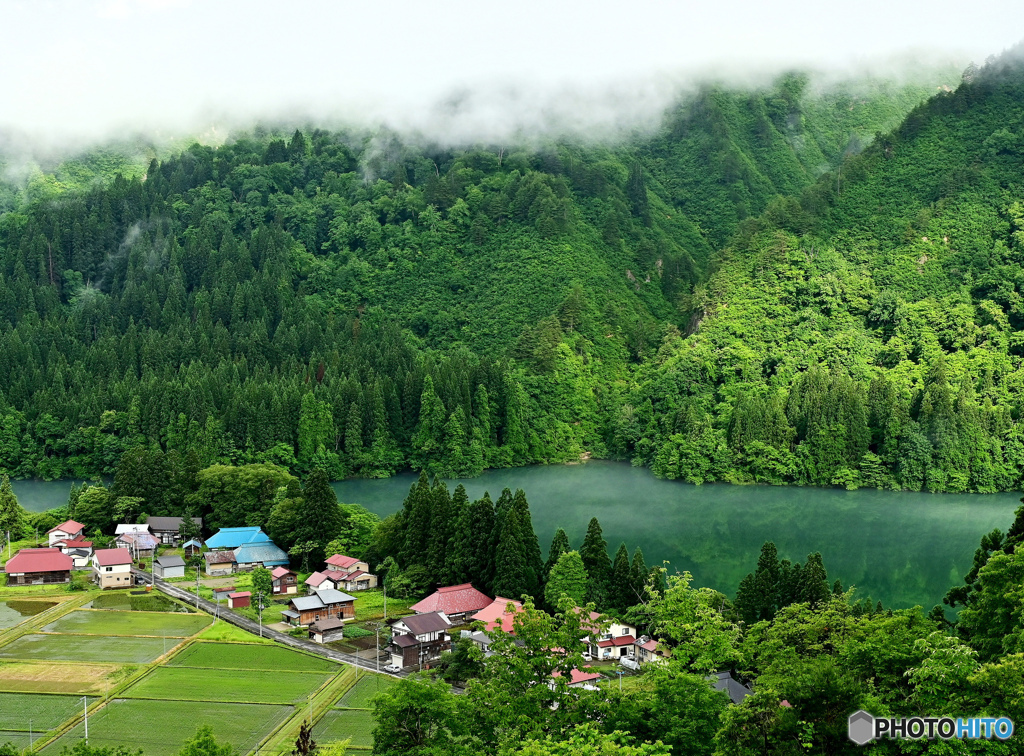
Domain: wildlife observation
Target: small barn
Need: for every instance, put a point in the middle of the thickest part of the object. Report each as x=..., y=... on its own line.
x=239, y=600
x=220, y=593
x=38, y=567
x=219, y=562
x=191, y=548
x=169, y=567
x=327, y=630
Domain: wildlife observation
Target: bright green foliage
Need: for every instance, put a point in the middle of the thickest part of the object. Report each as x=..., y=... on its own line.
x=12, y=516
x=559, y=545
x=567, y=578
x=993, y=621
x=319, y=518
x=262, y=583
x=203, y=743
x=588, y=740
x=238, y=496
x=419, y=716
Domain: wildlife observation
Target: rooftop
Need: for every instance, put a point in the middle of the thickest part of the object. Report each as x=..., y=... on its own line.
x=421, y=624
x=339, y=560
x=265, y=552
x=170, y=561
x=112, y=557
x=39, y=560
x=453, y=599
x=170, y=523
x=68, y=526
x=495, y=616
x=232, y=538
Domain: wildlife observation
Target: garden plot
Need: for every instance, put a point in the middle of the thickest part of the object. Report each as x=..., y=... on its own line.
x=57, y=677
x=160, y=728
x=16, y=611
x=87, y=648
x=229, y=685
x=95, y=622
x=340, y=724
x=360, y=695
x=22, y=711
x=249, y=656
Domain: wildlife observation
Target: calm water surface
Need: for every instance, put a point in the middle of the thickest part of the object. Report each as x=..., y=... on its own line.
x=900, y=548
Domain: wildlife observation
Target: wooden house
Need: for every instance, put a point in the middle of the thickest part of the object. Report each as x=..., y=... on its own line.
x=303, y=611
x=419, y=640
x=39, y=567
x=457, y=602
x=219, y=562
x=327, y=630
x=285, y=581
x=167, y=529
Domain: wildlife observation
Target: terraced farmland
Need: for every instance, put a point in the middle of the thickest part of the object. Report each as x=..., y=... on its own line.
x=87, y=648
x=232, y=685
x=104, y=622
x=249, y=656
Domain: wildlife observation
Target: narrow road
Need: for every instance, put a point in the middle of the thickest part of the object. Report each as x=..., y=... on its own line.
x=253, y=627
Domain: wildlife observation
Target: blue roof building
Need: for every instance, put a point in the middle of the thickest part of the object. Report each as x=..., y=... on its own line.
x=232, y=538
x=266, y=553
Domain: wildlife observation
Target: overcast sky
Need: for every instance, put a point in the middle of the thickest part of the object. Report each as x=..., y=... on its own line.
x=89, y=68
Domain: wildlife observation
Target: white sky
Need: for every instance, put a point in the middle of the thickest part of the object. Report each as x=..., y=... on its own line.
x=90, y=68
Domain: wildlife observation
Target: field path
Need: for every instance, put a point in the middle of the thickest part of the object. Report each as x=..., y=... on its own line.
x=253, y=627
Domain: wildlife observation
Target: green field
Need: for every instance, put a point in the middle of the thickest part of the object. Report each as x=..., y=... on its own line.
x=248, y=656
x=45, y=712
x=251, y=686
x=360, y=695
x=18, y=739
x=339, y=724
x=138, y=602
x=160, y=727
x=92, y=622
x=15, y=611
x=86, y=648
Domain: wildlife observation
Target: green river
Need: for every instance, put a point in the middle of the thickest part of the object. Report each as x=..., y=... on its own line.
x=900, y=548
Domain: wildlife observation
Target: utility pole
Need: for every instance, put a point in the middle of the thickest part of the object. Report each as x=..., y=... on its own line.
x=85, y=713
x=30, y=734
x=384, y=585
x=259, y=610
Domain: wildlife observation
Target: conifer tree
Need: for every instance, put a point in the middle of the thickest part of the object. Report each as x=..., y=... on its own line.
x=510, y=558
x=766, y=582
x=594, y=553
x=639, y=575
x=534, y=561
x=319, y=519
x=480, y=551
x=559, y=545
x=416, y=524
x=814, y=581
x=620, y=588
x=428, y=442
x=458, y=557
x=12, y=516
x=440, y=529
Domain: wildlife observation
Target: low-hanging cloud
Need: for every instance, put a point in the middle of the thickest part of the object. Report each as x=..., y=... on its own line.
x=456, y=71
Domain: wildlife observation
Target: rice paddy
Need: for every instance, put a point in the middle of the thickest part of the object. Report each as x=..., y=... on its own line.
x=56, y=677
x=229, y=685
x=361, y=695
x=94, y=622
x=22, y=711
x=249, y=656
x=87, y=648
x=340, y=724
x=16, y=611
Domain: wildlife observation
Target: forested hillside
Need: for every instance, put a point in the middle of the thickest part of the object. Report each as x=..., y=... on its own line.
x=867, y=331
x=362, y=303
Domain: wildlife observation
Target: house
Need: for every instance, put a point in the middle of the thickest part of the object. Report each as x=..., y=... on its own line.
x=79, y=551
x=319, y=581
x=457, y=602
x=614, y=642
x=305, y=610
x=39, y=567
x=579, y=679
x=169, y=567
x=140, y=545
x=498, y=615
x=232, y=538
x=219, y=562
x=349, y=573
x=285, y=581
x=131, y=529
x=191, y=548
x=419, y=639
x=69, y=530
x=112, y=568
x=480, y=639
x=220, y=593
x=327, y=630
x=736, y=690
x=646, y=650
x=239, y=599
x=259, y=554
x=167, y=529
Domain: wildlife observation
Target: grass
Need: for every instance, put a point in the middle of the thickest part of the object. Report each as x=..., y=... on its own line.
x=105, y=622
x=245, y=656
x=137, y=602
x=228, y=685
x=360, y=695
x=339, y=724
x=19, y=740
x=370, y=605
x=160, y=728
x=15, y=611
x=45, y=712
x=225, y=631
x=86, y=648
x=57, y=677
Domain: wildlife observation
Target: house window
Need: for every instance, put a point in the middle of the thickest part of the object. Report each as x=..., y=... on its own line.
x=625, y=631
x=110, y=569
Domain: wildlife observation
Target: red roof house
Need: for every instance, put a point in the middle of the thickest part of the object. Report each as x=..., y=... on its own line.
x=342, y=562
x=239, y=600
x=496, y=616
x=578, y=678
x=112, y=557
x=38, y=567
x=64, y=531
x=456, y=601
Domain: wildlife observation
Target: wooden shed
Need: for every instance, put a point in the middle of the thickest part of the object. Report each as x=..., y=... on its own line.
x=327, y=630
x=239, y=600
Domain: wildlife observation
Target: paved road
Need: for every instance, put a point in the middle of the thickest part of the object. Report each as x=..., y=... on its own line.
x=253, y=627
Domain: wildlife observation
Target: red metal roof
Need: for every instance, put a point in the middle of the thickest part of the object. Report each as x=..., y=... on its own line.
x=73, y=544
x=619, y=640
x=280, y=572
x=651, y=645
x=240, y=594
x=495, y=616
x=339, y=560
x=39, y=560
x=68, y=526
x=453, y=599
x=112, y=557
x=577, y=676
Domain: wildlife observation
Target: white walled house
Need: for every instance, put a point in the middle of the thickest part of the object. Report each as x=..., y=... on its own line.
x=69, y=530
x=112, y=568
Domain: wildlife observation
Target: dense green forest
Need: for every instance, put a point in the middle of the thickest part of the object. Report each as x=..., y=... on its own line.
x=745, y=295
